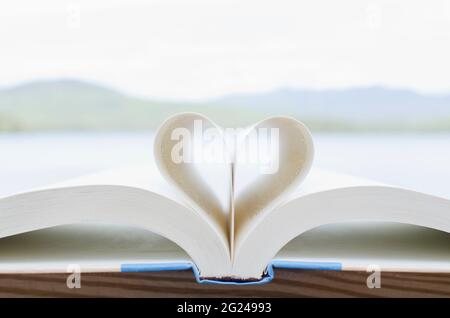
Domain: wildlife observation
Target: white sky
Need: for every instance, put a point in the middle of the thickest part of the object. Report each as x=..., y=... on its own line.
x=205, y=48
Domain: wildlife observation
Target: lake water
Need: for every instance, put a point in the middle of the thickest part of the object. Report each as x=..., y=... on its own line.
x=419, y=162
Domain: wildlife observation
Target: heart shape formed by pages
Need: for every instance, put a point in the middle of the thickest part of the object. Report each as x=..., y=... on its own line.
x=233, y=182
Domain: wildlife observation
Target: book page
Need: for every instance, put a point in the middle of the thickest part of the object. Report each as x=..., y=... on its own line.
x=347, y=200
x=361, y=245
x=132, y=197
x=90, y=247
x=272, y=160
x=191, y=154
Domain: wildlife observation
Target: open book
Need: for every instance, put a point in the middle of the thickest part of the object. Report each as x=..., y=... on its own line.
x=229, y=205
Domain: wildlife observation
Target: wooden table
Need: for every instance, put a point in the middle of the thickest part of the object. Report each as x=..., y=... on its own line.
x=287, y=283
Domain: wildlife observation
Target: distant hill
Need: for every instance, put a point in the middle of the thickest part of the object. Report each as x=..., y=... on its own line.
x=367, y=104
x=77, y=105
x=70, y=104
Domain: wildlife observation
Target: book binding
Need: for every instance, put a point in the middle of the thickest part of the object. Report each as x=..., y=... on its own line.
x=267, y=276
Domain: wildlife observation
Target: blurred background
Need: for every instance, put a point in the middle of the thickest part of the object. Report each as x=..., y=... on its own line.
x=83, y=84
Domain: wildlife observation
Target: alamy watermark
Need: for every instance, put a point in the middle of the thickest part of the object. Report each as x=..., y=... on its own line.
x=73, y=17
x=259, y=146
x=74, y=278
x=374, y=279
x=374, y=17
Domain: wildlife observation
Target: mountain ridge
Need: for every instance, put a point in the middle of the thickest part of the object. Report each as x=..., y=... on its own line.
x=352, y=103
x=71, y=104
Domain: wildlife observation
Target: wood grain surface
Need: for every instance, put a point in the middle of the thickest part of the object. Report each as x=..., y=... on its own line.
x=288, y=283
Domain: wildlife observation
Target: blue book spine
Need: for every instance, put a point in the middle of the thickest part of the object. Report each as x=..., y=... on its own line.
x=269, y=273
